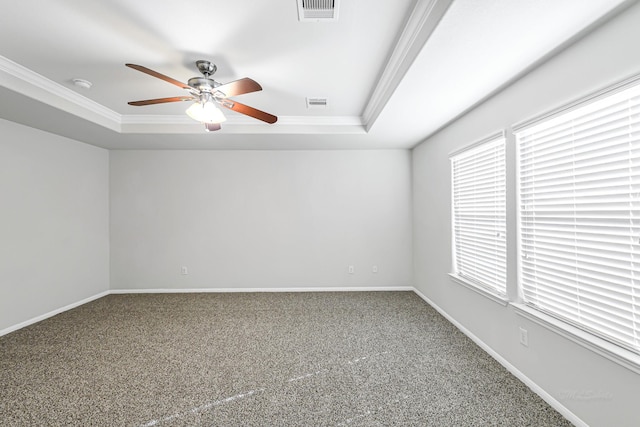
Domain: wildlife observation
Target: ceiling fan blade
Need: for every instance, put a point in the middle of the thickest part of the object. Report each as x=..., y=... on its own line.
x=210, y=127
x=161, y=100
x=238, y=87
x=249, y=111
x=158, y=75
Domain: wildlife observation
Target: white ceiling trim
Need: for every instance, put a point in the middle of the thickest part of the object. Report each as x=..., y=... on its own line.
x=20, y=79
x=241, y=120
x=155, y=124
x=421, y=23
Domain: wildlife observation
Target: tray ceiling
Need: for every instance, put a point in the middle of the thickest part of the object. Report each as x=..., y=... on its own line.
x=392, y=72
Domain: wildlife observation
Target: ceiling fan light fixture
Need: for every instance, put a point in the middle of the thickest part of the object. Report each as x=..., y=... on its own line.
x=205, y=112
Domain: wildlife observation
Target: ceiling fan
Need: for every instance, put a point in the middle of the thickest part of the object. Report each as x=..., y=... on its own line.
x=206, y=92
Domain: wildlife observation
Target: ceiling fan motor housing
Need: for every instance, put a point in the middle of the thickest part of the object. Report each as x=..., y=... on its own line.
x=203, y=84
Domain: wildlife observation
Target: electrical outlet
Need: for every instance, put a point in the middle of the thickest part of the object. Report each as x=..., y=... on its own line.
x=184, y=271
x=351, y=269
x=524, y=337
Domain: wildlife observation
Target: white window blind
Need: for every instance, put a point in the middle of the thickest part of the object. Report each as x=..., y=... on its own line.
x=580, y=217
x=479, y=226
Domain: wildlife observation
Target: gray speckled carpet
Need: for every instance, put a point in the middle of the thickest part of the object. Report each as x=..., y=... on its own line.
x=257, y=359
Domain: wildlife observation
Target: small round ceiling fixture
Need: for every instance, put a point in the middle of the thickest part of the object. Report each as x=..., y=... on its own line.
x=85, y=84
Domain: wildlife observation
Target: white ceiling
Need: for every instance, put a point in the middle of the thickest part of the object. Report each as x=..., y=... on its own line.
x=393, y=71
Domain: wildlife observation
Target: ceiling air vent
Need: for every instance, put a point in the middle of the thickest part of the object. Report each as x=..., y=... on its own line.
x=316, y=102
x=318, y=10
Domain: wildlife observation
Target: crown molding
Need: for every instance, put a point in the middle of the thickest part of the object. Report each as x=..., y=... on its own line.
x=151, y=119
x=20, y=79
x=421, y=23
x=242, y=120
x=247, y=125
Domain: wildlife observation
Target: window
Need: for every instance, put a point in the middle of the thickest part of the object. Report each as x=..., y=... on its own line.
x=479, y=229
x=579, y=206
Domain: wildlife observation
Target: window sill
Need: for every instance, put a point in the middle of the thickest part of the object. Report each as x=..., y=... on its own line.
x=495, y=297
x=604, y=348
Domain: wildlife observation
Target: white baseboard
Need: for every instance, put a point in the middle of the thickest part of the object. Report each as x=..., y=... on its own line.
x=554, y=403
x=248, y=290
x=52, y=313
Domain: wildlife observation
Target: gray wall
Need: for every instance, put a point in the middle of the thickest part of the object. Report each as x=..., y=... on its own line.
x=260, y=219
x=54, y=222
x=596, y=390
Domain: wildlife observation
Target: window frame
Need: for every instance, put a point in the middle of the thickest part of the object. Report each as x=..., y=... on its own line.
x=484, y=289
x=576, y=333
